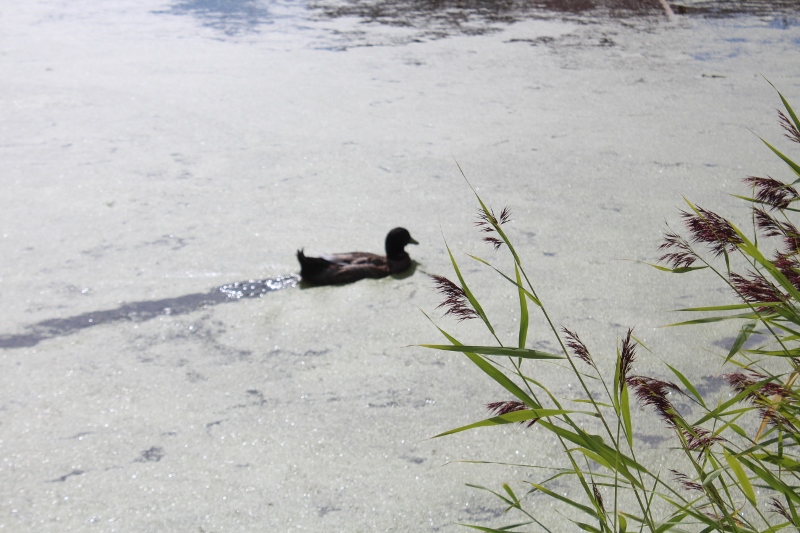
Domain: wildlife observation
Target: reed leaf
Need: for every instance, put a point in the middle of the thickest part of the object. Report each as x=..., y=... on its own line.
x=523, y=311
x=524, y=353
x=744, y=482
x=514, y=418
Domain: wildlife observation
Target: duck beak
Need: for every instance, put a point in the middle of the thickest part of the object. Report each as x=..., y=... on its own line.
x=412, y=241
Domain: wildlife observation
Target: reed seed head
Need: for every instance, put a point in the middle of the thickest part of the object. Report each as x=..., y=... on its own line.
x=776, y=506
x=791, y=130
x=685, y=482
x=699, y=439
x=598, y=497
x=456, y=301
x=759, y=390
x=578, y=348
x=488, y=222
x=711, y=229
x=653, y=392
x=502, y=408
x=680, y=253
x=627, y=356
x=756, y=289
x=770, y=227
x=774, y=193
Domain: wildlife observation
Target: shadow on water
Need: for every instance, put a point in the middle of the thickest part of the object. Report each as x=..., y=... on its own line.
x=147, y=310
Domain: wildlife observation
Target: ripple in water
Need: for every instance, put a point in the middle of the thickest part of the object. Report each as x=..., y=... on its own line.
x=255, y=288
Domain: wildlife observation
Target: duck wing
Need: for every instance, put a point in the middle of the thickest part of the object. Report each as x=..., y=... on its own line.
x=342, y=268
x=360, y=259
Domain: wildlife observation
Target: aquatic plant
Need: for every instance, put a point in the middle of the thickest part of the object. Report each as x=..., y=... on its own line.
x=738, y=458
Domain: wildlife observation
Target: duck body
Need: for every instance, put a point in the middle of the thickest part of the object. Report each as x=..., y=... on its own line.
x=335, y=269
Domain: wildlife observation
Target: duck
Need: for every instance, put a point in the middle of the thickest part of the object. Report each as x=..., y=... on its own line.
x=336, y=269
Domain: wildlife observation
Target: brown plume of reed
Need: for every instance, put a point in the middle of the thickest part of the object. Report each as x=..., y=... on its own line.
x=578, y=348
x=789, y=265
x=699, y=439
x=598, y=497
x=756, y=289
x=502, y=408
x=680, y=253
x=765, y=394
x=770, y=227
x=627, y=356
x=711, y=229
x=759, y=390
x=685, y=482
x=774, y=193
x=653, y=392
x=776, y=506
x=456, y=301
x=791, y=130
x=487, y=221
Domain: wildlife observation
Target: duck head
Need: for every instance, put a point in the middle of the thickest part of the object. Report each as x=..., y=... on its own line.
x=396, y=241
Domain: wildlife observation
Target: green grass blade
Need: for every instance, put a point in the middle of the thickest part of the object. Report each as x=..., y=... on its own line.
x=732, y=307
x=748, y=316
x=721, y=409
x=770, y=479
x=472, y=300
x=510, y=492
x=491, y=371
x=524, y=353
x=505, y=529
x=583, y=508
x=530, y=296
x=679, y=270
x=488, y=211
x=670, y=523
x=688, y=385
x=738, y=471
x=496, y=494
x=613, y=458
x=752, y=250
x=741, y=338
x=623, y=524
x=514, y=418
x=794, y=166
x=625, y=414
x=787, y=106
x=523, y=310
x=586, y=527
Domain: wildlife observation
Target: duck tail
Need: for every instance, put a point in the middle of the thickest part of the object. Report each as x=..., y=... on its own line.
x=310, y=267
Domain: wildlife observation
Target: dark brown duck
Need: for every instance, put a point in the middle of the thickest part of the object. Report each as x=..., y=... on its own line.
x=348, y=267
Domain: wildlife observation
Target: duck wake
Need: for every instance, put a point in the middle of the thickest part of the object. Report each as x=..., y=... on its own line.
x=255, y=288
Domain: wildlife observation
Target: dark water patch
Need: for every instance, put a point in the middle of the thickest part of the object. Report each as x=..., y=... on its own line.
x=146, y=310
x=433, y=19
x=65, y=477
x=151, y=455
x=734, y=8
x=447, y=17
x=231, y=17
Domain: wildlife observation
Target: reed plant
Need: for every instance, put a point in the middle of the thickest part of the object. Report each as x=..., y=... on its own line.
x=738, y=456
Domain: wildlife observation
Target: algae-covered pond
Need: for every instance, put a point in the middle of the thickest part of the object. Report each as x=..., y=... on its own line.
x=155, y=151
